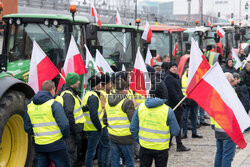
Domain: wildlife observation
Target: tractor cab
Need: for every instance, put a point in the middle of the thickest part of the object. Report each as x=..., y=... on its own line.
x=167, y=40
x=51, y=32
x=117, y=43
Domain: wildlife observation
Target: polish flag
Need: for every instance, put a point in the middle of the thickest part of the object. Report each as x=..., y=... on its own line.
x=90, y=64
x=236, y=60
x=102, y=63
x=94, y=13
x=118, y=18
x=73, y=62
x=248, y=59
x=147, y=33
x=140, y=79
x=123, y=68
x=220, y=32
x=209, y=22
x=41, y=68
x=176, y=49
x=218, y=98
x=198, y=66
x=149, y=59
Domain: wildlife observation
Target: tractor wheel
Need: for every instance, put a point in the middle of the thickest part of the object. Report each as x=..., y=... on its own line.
x=15, y=145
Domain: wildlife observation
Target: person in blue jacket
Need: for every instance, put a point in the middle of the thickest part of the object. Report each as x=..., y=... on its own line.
x=46, y=121
x=158, y=98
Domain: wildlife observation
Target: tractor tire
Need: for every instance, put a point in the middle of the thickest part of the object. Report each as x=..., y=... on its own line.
x=15, y=144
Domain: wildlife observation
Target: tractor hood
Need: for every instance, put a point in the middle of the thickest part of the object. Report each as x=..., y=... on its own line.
x=19, y=69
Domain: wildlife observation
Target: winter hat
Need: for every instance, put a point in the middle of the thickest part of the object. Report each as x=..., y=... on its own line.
x=120, y=84
x=159, y=90
x=172, y=64
x=94, y=80
x=105, y=79
x=72, y=78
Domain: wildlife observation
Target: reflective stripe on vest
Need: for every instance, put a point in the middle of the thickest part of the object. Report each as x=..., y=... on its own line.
x=89, y=126
x=78, y=113
x=44, y=125
x=153, y=130
x=184, y=81
x=118, y=122
x=217, y=127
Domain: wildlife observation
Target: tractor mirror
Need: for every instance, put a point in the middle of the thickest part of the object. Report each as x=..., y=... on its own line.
x=91, y=32
x=153, y=53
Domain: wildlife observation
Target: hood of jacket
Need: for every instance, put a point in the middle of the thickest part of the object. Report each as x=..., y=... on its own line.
x=115, y=98
x=154, y=102
x=41, y=97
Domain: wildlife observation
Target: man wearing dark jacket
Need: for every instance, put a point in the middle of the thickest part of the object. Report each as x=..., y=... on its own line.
x=175, y=95
x=94, y=125
x=245, y=75
x=120, y=111
x=46, y=121
x=152, y=125
x=74, y=113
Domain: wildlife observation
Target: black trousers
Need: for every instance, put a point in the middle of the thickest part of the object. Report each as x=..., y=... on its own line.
x=147, y=156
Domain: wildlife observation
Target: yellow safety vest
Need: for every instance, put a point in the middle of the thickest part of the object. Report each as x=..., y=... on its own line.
x=44, y=125
x=78, y=113
x=217, y=127
x=118, y=123
x=184, y=81
x=153, y=130
x=89, y=126
x=59, y=99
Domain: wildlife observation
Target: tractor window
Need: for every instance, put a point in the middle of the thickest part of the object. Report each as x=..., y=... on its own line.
x=116, y=45
x=50, y=38
x=160, y=43
x=79, y=36
x=177, y=43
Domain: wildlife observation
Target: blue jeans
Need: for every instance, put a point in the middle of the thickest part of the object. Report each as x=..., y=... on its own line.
x=59, y=158
x=224, y=153
x=127, y=150
x=103, y=153
x=193, y=113
x=202, y=114
x=94, y=138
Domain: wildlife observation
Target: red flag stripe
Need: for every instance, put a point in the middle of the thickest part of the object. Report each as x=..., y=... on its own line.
x=220, y=34
x=152, y=63
x=149, y=35
x=210, y=100
x=79, y=66
x=138, y=82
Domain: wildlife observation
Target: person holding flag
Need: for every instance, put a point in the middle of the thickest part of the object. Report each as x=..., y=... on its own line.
x=74, y=111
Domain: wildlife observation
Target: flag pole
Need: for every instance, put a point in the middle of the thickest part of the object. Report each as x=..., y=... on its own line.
x=179, y=103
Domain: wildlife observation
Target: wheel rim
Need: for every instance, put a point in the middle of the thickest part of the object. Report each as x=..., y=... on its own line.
x=14, y=146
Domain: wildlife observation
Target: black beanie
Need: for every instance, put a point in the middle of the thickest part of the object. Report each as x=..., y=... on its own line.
x=105, y=79
x=94, y=80
x=172, y=64
x=159, y=90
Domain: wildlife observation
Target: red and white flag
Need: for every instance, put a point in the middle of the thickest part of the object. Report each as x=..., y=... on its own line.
x=140, y=79
x=102, y=63
x=218, y=98
x=41, y=68
x=123, y=68
x=209, y=22
x=73, y=62
x=198, y=66
x=95, y=14
x=147, y=33
x=149, y=59
x=118, y=18
x=176, y=49
x=220, y=32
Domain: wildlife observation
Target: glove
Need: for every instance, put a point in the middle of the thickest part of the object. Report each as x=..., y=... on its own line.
x=85, y=108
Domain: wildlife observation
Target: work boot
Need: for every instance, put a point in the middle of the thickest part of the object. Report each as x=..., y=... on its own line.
x=204, y=124
x=196, y=136
x=182, y=148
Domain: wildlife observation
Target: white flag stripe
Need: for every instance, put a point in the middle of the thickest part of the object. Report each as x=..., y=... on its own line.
x=102, y=63
x=248, y=59
x=72, y=51
x=148, y=57
x=118, y=18
x=216, y=78
x=238, y=63
x=145, y=32
x=123, y=67
x=89, y=59
x=194, y=60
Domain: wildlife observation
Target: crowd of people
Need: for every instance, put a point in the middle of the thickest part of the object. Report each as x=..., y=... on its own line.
x=119, y=124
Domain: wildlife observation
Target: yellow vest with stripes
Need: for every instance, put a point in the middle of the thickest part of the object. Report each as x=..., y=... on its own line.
x=59, y=99
x=78, y=113
x=118, y=122
x=153, y=130
x=217, y=127
x=89, y=126
x=44, y=125
x=184, y=81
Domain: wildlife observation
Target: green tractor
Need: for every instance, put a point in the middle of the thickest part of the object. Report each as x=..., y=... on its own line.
x=52, y=33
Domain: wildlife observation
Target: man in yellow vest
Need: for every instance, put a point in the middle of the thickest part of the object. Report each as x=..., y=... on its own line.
x=152, y=126
x=120, y=111
x=225, y=147
x=46, y=121
x=94, y=125
x=74, y=112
